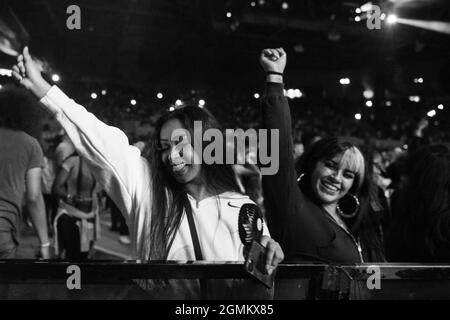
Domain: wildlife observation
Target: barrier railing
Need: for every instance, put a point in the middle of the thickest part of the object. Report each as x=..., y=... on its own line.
x=31, y=279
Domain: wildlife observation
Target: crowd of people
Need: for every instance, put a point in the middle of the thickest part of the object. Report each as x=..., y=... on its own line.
x=336, y=197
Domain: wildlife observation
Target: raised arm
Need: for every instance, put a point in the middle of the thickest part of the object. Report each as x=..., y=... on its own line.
x=280, y=187
x=117, y=166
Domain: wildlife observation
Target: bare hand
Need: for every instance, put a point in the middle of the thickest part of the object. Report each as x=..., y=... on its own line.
x=274, y=253
x=28, y=73
x=273, y=60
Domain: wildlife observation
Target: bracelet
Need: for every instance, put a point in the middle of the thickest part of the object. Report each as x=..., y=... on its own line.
x=274, y=72
x=44, y=245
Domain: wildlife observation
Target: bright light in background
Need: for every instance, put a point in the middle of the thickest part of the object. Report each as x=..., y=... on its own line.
x=357, y=18
x=368, y=94
x=284, y=6
x=414, y=98
x=55, y=77
x=256, y=95
x=441, y=107
x=178, y=102
x=388, y=103
x=5, y=72
x=431, y=113
x=418, y=80
x=369, y=103
x=133, y=102
x=253, y=3
x=358, y=10
x=93, y=95
x=344, y=81
x=1, y=86
x=392, y=18
x=358, y=116
x=298, y=93
x=172, y=109
x=229, y=14
x=103, y=92
x=201, y=102
x=159, y=95
x=383, y=16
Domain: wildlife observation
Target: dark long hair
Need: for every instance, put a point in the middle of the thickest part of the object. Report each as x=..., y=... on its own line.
x=169, y=198
x=420, y=229
x=362, y=226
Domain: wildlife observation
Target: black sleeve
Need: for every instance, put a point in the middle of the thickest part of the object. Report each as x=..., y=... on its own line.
x=280, y=188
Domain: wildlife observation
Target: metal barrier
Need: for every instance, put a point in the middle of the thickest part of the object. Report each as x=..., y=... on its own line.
x=31, y=279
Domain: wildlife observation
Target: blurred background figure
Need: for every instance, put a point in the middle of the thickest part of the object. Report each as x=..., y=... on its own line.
x=21, y=163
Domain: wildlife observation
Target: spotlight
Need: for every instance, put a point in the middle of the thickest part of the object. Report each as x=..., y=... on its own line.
x=253, y=3
x=298, y=93
x=441, y=107
x=201, y=102
x=229, y=14
x=284, y=6
x=358, y=116
x=431, y=113
x=388, y=103
x=344, y=81
x=172, y=109
x=55, y=77
x=392, y=19
x=369, y=103
x=256, y=95
x=159, y=95
x=103, y=92
x=93, y=95
x=358, y=10
x=178, y=102
x=414, y=98
x=357, y=18
x=368, y=94
x=383, y=16
x=133, y=102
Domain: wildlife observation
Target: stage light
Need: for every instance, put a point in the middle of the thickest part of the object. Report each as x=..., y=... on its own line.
x=358, y=116
x=358, y=10
x=256, y=95
x=431, y=113
x=172, y=109
x=369, y=103
x=5, y=72
x=344, y=81
x=383, y=16
x=178, y=102
x=392, y=18
x=418, y=80
x=55, y=77
x=414, y=98
x=388, y=103
x=298, y=93
x=253, y=3
x=357, y=19
x=284, y=6
x=405, y=147
x=201, y=102
x=229, y=14
x=133, y=102
x=261, y=2
x=159, y=95
x=441, y=107
x=103, y=92
x=93, y=95
x=368, y=94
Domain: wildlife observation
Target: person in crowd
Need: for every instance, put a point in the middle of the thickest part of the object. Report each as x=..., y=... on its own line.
x=76, y=224
x=321, y=216
x=419, y=229
x=21, y=163
x=167, y=197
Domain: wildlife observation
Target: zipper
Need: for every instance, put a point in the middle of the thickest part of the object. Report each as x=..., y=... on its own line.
x=356, y=242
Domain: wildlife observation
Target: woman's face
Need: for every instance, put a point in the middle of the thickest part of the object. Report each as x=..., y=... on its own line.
x=177, y=154
x=332, y=179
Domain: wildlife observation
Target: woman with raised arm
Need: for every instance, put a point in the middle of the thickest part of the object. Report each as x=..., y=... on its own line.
x=166, y=196
x=322, y=214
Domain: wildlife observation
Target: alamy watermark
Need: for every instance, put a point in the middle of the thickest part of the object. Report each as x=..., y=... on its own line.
x=263, y=144
x=374, y=18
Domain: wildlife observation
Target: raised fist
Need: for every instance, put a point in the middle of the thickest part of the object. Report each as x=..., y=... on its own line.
x=273, y=60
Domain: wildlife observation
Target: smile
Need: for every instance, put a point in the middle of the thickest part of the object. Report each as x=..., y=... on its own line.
x=178, y=167
x=329, y=186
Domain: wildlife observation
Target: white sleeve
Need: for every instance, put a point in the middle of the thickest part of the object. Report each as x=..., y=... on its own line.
x=116, y=165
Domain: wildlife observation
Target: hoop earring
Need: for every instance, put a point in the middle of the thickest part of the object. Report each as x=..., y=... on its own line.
x=354, y=213
x=299, y=179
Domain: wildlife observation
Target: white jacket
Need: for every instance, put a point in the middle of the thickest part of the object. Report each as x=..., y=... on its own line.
x=119, y=168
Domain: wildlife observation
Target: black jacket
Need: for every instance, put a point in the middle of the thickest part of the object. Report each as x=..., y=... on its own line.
x=305, y=231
